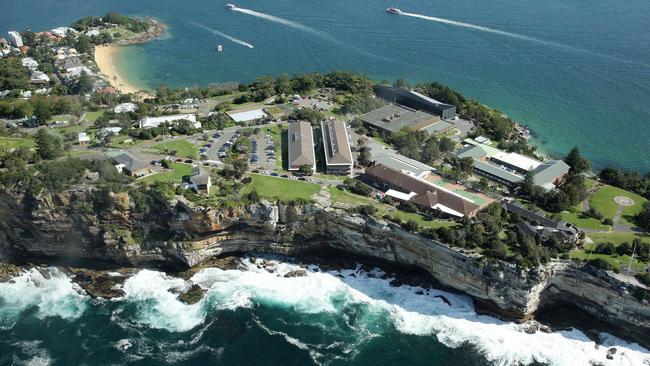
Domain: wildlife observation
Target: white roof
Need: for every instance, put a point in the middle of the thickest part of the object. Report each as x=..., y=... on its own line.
x=399, y=195
x=125, y=107
x=247, y=116
x=83, y=137
x=115, y=130
x=517, y=160
x=150, y=122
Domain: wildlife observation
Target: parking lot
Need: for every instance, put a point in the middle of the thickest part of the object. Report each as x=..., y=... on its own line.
x=265, y=149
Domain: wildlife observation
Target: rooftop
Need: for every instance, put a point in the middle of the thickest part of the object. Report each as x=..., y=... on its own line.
x=391, y=159
x=394, y=117
x=301, y=145
x=335, y=143
x=246, y=115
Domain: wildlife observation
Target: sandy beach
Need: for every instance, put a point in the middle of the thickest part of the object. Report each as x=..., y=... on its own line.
x=104, y=60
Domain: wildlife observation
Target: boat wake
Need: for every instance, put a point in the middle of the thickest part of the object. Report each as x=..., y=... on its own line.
x=223, y=35
x=284, y=22
x=485, y=29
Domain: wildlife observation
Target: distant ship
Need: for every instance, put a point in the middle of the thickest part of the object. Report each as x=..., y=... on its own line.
x=230, y=6
x=393, y=10
x=219, y=48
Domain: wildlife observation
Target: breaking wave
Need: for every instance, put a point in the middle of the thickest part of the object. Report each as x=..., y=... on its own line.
x=412, y=310
x=223, y=35
x=329, y=315
x=50, y=292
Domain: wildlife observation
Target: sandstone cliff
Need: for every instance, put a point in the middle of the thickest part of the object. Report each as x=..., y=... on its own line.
x=64, y=227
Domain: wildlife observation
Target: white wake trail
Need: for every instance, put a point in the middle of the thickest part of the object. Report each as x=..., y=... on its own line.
x=224, y=35
x=485, y=29
x=284, y=22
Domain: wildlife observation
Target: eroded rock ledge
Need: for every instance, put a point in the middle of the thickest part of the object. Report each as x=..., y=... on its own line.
x=178, y=236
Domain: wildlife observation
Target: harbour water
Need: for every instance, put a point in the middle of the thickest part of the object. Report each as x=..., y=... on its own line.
x=577, y=73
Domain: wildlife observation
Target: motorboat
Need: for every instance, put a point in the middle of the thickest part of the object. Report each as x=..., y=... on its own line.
x=393, y=10
x=230, y=6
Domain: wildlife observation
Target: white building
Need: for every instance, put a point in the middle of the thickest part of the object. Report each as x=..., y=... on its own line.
x=15, y=39
x=92, y=33
x=247, y=115
x=110, y=130
x=151, y=122
x=39, y=77
x=83, y=138
x=29, y=63
x=125, y=107
x=62, y=31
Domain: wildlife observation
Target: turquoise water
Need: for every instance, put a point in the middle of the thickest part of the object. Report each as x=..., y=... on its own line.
x=577, y=73
x=255, y=316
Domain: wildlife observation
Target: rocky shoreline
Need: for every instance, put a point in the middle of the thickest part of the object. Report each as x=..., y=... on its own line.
x=54, y=232
x=157, y=30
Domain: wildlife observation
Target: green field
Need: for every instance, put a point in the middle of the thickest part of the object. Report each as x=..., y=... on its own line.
x=578, y=220
x=179, y=170
x=92, y=116
x=15, y=142
x=281, y=188
x=617, y=237
x=118, y=142
x=603, y=201
x=183, y=148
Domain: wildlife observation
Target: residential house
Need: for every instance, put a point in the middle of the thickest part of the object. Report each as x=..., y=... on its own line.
x=336, y=145
x=15, y=39
x=301, y=146
x=29, y=63
x=125, y=107
x=83, y=138
x=39, y=77
x=130, y=165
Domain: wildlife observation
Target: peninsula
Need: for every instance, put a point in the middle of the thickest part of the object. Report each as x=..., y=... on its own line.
x=327, y=168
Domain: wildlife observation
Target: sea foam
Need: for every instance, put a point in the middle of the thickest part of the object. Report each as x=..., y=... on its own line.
x=52, y=295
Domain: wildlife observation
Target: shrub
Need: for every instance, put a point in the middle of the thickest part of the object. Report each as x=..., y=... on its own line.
x=600, y=263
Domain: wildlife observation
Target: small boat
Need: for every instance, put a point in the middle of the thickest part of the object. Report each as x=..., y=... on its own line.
x=219, y=48
x=393, y=10
x=230, y=6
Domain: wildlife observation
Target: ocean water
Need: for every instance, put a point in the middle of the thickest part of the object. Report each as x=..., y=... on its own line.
x=576, y=72
x=252, y=316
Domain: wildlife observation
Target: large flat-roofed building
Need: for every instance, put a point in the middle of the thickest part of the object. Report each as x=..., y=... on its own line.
x=393, y=117
x=381, y=154
x=510, y=168
x=151, y=122
x=338, y=155
x=15, y=39
x=301, y=146
x=415, y=100
x=422, y=193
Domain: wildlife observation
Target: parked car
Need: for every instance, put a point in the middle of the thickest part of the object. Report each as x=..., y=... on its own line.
x=189, y=161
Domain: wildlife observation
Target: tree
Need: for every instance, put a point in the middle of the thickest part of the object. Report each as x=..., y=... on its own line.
x=306, y=169
x=577, y=163
x=643, y=217
x=42, y=109
x=85, y=83
x=528, y=184
x=48, y=146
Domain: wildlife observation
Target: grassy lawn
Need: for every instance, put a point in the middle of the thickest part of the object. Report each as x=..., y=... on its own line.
x=274, y=110
x=576, y=218
x=614, y=260
x=60, y=117
x=67, y=129
x=589, y=183
x=182, y=147
x=617, y=237
x=92, y=116
x=603, y=201
x=175, y=175
x=118, y=142
x=281, y=188
x=14, y=142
